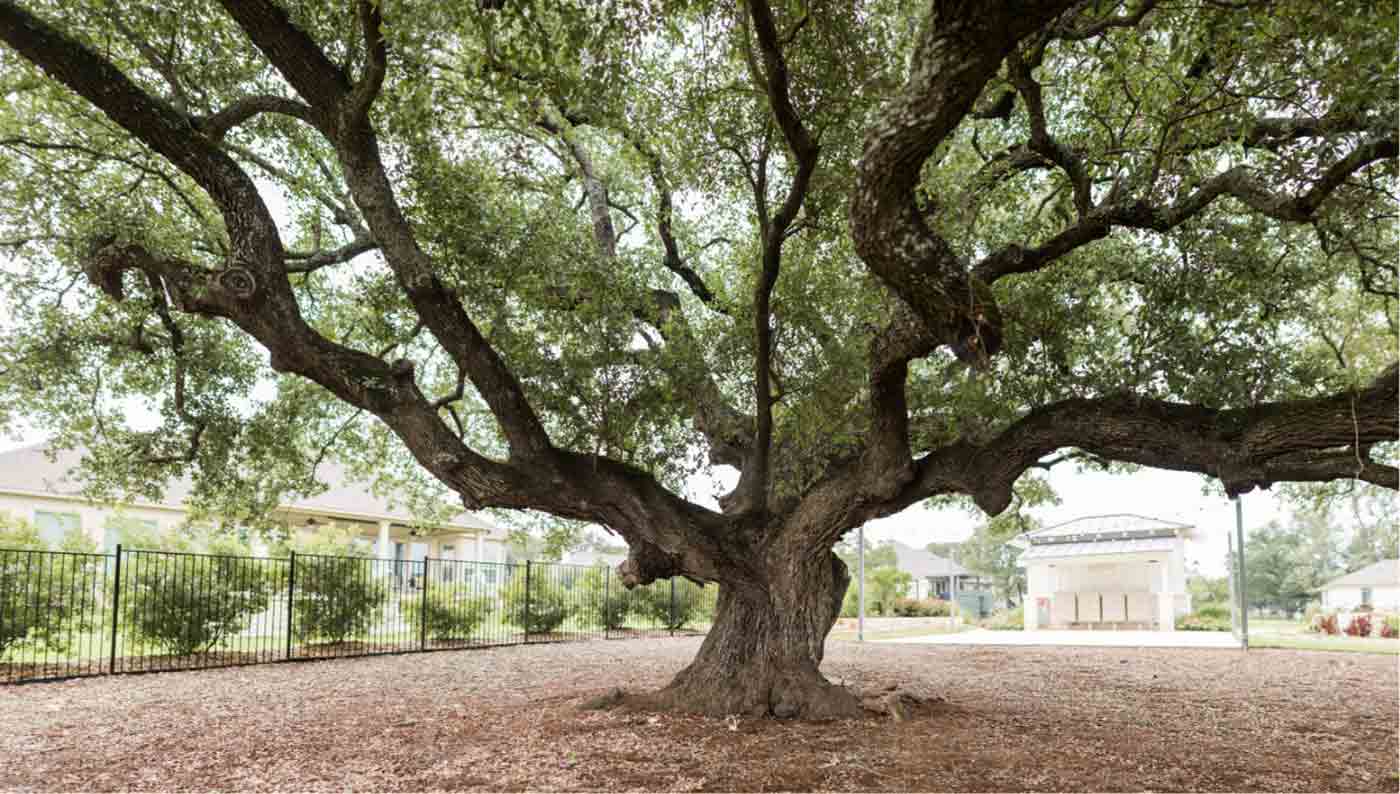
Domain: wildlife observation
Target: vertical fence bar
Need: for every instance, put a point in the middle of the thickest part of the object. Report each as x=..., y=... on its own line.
x=116, y=606
x=526, y=627
x=671, y=624
x=291, y=590
x=423, y=611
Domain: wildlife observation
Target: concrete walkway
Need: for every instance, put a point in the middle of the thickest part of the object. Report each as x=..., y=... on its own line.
x=1122, y=639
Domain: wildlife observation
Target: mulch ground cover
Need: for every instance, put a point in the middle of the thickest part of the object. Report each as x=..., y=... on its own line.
x=1003, y=719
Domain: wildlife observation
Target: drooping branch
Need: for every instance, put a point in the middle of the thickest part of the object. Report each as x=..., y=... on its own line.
x=1072, y=30
x=751, y=493
x=1245, y=448
x=242, y=110
x=958, y=52
x=311, y=261
x=604, y=233
x=672, y=260
x=342, y=113
x=1238, y=183
x=1042, y=142
x=376, y=59
x=321, y=83
x=725, y=429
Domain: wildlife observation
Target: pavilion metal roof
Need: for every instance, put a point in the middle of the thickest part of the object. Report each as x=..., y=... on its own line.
x=1095, y=548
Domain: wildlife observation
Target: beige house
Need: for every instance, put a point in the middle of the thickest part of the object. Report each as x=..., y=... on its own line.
x=35, y=487
x=1377, y=585
x=1106, y=572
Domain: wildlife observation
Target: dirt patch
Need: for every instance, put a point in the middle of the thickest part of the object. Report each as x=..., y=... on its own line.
x=1006, y=719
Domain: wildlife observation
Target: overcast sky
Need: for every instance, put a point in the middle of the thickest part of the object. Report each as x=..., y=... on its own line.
x=1175, y=496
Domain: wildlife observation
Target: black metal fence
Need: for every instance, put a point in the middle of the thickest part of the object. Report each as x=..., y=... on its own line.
x=65, y=614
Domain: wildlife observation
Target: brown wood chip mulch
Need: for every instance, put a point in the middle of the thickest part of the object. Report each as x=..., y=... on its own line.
x=1003, y=719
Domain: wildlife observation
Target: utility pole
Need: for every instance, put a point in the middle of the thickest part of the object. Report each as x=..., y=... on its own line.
x=860, y=585
x=1243, y=583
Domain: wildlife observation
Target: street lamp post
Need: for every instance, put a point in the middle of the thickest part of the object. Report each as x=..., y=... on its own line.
x=860, y=585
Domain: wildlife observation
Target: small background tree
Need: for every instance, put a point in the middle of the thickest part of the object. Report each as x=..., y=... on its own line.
x=604, y=601
x=41, y=600
x=338, y=596
x=188, y=602
x=452, y=612
x=544, y=611
x=657, y=604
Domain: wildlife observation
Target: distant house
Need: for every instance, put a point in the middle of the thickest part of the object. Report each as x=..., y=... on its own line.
x=1376, y=585
x=934, y=576
x=39, y=489
x=1115, y=571
x=591, y=557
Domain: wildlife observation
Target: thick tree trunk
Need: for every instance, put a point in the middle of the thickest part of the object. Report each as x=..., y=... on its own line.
x=762, y=654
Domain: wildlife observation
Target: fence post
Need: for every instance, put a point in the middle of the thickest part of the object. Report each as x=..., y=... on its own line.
x=423, y=612
x=671, y=624
x=527, y=601
x=607, y=600
x=291, y=588
x=116, y=605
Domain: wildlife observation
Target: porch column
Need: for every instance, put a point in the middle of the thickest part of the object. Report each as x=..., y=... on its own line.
x=381, y=546
x=1166, y=604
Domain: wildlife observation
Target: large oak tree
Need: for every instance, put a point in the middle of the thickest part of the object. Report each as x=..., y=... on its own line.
x=565, y=254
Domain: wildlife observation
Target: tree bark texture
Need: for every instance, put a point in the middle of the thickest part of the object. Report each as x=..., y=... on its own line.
x=764, y=649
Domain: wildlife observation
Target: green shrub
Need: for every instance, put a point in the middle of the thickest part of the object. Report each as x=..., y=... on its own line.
x=1195, y=622
x=1390, y=627
x=44, y=600
x=452, y=612
x=187, y=603
x=544, y=611
x=921, y=608
x=336, y=598
x=340, y=593
x=603, y=599
x=700, y=598
x=655, y=604
x=850, y=605
x=1212, y=611
x=882, y=588
x=1005, y=620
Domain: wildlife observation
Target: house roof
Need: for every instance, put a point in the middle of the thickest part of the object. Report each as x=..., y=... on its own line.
x=1091, y=529
x=1056, y=551
x=922, y=563
x=1383, y=573
x=30, y=470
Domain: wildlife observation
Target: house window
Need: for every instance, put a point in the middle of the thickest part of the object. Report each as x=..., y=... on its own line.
x=1366, y=596
x=54, y=526
x=119, y=530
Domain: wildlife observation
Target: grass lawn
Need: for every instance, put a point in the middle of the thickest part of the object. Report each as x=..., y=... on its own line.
x=886, y=632
x=1292, y=635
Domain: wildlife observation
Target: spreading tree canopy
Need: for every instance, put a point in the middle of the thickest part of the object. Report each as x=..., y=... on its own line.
x=567, y=253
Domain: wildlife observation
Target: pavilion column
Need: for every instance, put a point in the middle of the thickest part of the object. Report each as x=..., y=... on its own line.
x=1166, y=600
x=381, y=546
x=478, y=556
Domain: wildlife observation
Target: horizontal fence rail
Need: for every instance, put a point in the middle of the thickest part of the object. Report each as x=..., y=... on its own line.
x=65, y=614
